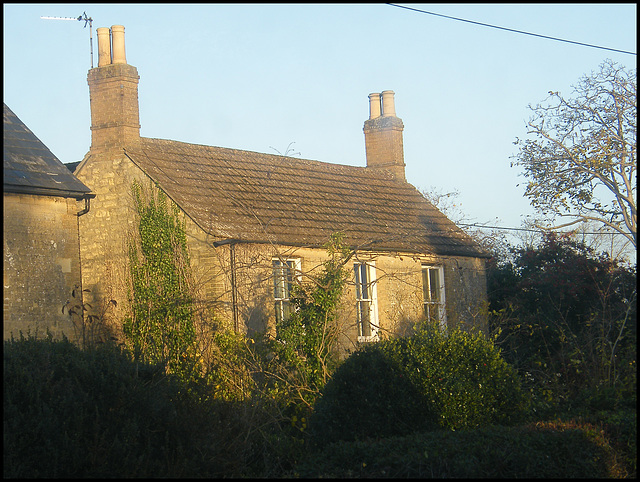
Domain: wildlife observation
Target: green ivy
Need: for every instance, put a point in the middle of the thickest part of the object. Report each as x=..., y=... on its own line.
x=161, y=327
x=305, y=342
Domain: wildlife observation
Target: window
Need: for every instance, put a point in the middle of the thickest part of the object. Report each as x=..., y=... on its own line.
x=283, y=278
x=367, y=312
x=433, y=290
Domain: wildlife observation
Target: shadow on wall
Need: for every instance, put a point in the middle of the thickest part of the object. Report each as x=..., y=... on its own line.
x=91, y=321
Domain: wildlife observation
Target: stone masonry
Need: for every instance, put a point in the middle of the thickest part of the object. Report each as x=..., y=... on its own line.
x=41, y=265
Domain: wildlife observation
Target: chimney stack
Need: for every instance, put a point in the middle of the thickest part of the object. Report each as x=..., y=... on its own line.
x=383, y=135
x=113, y=91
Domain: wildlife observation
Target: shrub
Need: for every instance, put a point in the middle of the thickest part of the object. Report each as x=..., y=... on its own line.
x=544, y=450
x=428, y=381
x=95, y=413
x=566, y=317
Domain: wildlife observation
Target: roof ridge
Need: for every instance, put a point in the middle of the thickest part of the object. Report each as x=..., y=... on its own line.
x=267, y=154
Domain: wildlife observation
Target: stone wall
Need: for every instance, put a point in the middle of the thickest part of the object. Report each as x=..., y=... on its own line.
x=41, y=264
x=105, y=231
x=466, y=293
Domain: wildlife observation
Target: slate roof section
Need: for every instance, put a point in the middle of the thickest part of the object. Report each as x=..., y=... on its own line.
x=31, y=168
x=254, y=197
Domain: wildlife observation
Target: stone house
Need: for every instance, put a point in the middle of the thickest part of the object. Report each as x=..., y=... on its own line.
x=258, y=222
x=43, y=203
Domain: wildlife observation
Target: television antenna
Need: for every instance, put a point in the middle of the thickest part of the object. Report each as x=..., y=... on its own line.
x=87, y=20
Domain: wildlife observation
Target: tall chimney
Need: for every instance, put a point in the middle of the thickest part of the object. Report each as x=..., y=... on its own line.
x=113, y=91
x=383, y=135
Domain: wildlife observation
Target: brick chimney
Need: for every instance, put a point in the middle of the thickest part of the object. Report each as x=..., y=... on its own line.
x=383, y=135
x=113, y=91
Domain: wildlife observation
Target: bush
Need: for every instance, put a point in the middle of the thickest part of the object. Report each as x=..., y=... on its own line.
x=424, y=382
x=567, y=318
x=544, y=450
x=95, y=413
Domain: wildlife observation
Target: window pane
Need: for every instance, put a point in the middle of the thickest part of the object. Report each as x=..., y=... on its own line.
x=425, y=284
x=282, y=279
x=283, y=273
x=288, y=278
x=364, y=299
x=362, y=281
x=283, y=310
x=364, y=318
x=434, y=285
x=277, y=284
x=356, y=272
x=433, y=293
x=365, y=281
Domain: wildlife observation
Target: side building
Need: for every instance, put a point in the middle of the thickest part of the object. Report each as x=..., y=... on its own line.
x=42, y=204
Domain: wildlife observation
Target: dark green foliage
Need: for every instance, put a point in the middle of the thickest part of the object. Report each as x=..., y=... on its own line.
x=96, y=413
x=551, y=450
x=428, y=381
x=73, y=413
x=161, y=328
x=368, y=396
x=566, y=319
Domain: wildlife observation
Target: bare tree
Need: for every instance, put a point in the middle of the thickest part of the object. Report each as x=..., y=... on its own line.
x=581, y=162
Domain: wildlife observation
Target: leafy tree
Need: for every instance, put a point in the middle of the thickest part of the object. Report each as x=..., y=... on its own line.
x=161, y=327
x=581, y=162
x=566, y=316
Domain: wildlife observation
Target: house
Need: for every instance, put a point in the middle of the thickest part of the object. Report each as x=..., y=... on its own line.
x=257, y=221
x=43, y=202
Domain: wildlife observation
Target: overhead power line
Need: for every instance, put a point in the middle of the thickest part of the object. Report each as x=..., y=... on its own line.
x=530, y=230
x=513, y=30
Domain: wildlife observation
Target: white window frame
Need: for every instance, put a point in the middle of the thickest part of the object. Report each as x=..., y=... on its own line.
x=371, y=300
x=428, y=303
x=281, y=285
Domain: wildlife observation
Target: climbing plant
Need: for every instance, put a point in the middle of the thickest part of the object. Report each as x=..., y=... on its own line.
x=161, y=326
x=305, y=341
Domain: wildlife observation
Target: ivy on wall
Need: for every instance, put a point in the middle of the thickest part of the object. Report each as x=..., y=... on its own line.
x=161, y=326
x=305, y=341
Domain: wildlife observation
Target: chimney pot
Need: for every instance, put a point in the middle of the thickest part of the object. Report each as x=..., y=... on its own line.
x=104, y=46
x=374, y=106
x=117, y=38
x=388, y=107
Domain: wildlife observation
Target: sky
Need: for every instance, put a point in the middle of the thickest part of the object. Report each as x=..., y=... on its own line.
x=260, y=77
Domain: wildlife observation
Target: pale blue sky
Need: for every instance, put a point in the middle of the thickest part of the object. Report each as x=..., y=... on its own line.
x=259, y=76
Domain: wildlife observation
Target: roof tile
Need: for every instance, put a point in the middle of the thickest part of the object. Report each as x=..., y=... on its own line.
x=250, y=196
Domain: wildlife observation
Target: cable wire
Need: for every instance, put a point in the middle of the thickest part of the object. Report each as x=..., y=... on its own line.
x=530, y=230
x=513, y=30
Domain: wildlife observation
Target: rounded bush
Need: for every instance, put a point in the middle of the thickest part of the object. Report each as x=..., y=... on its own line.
x=89, y=413
x=428, y=381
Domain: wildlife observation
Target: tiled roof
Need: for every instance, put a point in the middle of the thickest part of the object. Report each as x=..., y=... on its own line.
x=30, y=167
x=254, y=197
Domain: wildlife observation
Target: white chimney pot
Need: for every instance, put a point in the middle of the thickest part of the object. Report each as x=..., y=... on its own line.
x=117, y=38
x=104, y=46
